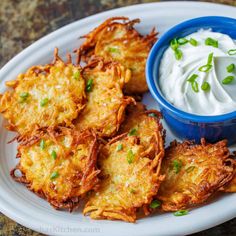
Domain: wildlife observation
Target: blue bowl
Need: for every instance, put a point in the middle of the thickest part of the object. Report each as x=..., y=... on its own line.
x=185, y=125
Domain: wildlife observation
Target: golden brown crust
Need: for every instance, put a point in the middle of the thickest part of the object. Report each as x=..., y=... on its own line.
x=68, y=155
x=116, y=39
x=231, y=186
x=105, y=107
x=193, y=173
x=130, y=175
x=44, y=96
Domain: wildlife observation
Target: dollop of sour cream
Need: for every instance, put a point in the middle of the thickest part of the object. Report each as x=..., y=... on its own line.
x=193, y=90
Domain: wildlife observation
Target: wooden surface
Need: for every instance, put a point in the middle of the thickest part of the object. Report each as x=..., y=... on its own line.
x=22, y=22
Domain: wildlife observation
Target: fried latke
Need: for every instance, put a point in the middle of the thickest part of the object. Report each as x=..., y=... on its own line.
x=106, y=103
x=116, y=39
x=44, y=96
x=59, y=166
x=129, y=179
x=144, y=124
x=193, y=173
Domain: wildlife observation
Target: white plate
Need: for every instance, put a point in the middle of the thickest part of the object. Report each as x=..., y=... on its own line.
x=29, y=210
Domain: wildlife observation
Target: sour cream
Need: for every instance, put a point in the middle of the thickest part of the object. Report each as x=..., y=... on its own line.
x=174, y=74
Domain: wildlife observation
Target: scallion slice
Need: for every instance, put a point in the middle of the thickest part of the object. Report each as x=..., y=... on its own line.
x=193, y=42
x=211, y=42
x=232, y=52
x=178, y=54
x=177, y=165
x=205, y=68
x=89, y=85
x=54, y=155
x=181, y=213
x=54, y=175
x=230, y=68
x=130, y=156
x=182, y=41
x=155, y=203
x=205, y=86
x=44, y=102
x=228, y=80
x=120, y=147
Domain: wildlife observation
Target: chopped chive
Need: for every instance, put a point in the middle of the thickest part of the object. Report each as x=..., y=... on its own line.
x=54, y=155
x=230, y=68
x=89, y=85
x=228, y=80
x=155, y=203
x=54, y=175
x=24, y=95
x=113, y=50
x=192, y=78
x=130, y=156
x=182, y=41
x=178, y=54
x=205, y=68
x=190, y=168
x=195, y=87
x=174, y=44
x=177, y=165
x=42, y=144
x=152, y=115
x=119, y=147
x=181, y=213
x=76, y=75
x=193, y=42
x=232, y=52
x=211, y=42
x=210, y=58
x=133, y=132
x=44, y=102
x=132, y=191
x=205, y=86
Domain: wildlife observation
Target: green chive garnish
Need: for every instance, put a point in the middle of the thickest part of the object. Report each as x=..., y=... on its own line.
x=232, y=52
x=211, y=42
x=181, y=213
x=24, y=95
x=210, y=58
x=119, y=147
x=174, y=44
x=182, y=41
x=42, y=144
x=190, y=168
x=192, y=78
x=195, y=87
x=76, y=75
x=89, y=85
x=205, y=86
x=54, y=155
x=178, y=54
x=132, y=191
x=113, y=50
x=230, y=68
x=44, y=102
x=228, y=80
x=193, y=42
x=205, y=68
x=155, y=203
x=152, y=115
x=54, y=175
x=133, y=132
x=177, y=166
x=130, y=156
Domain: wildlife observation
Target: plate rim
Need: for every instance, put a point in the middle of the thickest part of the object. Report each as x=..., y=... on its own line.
x=9, y=211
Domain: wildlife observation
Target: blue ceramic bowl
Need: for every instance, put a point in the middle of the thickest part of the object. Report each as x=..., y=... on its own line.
x=185, y=125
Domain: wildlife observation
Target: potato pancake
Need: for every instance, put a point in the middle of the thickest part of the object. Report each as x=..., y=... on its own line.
x=59, y=166
x=193, y=173
x=116, y=39
x=44, y=96
x=143, y=124
x=105, y=107
x=129, y=179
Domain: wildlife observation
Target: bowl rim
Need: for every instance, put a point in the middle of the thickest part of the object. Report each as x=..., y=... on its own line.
x=152, y=59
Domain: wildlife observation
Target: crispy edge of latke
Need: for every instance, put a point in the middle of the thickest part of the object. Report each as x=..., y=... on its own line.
x=130, y=215
x=90, y=173
x=35, y=69
x=208, y=190
x=86, y=50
